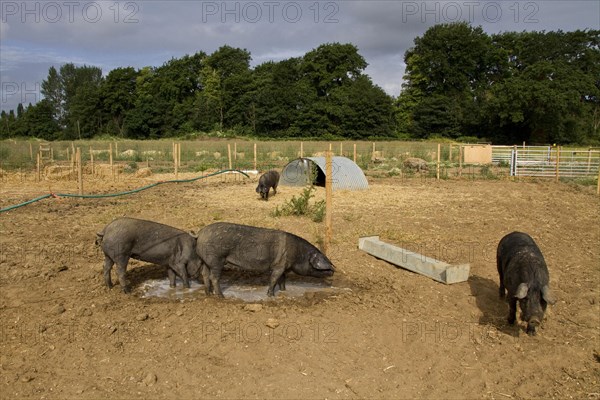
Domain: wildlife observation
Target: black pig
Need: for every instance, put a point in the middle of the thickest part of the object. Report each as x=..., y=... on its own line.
x=148, y=241
x=267, y=181
x=258, y=249
x=524, y=274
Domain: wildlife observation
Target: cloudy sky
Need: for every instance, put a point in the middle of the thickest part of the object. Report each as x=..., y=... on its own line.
x=35, y=35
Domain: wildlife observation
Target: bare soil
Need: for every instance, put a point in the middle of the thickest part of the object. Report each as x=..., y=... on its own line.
x=386, y=333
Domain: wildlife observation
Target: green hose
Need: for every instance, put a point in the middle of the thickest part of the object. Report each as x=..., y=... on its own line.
x=98, y=196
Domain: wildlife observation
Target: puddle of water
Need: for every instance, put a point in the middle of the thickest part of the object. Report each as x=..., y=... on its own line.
x=247, y=292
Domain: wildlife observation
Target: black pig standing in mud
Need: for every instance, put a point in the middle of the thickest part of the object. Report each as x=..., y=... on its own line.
x=152, y=242
x=523, y=272
x=258, y=249
x=267, y=181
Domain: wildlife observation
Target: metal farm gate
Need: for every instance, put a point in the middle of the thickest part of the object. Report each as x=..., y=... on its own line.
x=554, y=162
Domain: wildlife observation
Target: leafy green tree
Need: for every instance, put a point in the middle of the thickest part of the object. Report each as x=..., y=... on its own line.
x=552, y=89
x=449, y=72
x=40, y=120
x=117, y=96
x=332, y=65
x=278, y=97
x=228, y=87
x=344, y=101
x=52, y=90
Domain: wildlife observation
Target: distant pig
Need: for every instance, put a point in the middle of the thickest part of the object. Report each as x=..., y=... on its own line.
x=524, y=274
x=148, y=241
x=258, y=249
x=267, y=181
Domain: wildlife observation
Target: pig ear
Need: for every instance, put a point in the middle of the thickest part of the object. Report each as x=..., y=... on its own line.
x=522, y=291
x=547, y=295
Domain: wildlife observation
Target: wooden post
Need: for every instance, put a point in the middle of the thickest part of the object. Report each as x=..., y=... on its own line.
x=92, y=160
x=328, y=201
x=110, y=161
x=341, y=149
x=255, y=157
x=460, y=158
x=116, y=148
x=31, y=151
x=437, y=168
x=73, y=156
x=589, y=159
x=301, y=149
x=79, y=172
x=235, y=151
x=179, y=154
x=450, y=153
x=229, y=155
x=373, y=156
x=598, y=188
x=330, y=147
x=39, y=167
x=354, y=157
x=68, y=156
x=175, y=160
x=557, y=162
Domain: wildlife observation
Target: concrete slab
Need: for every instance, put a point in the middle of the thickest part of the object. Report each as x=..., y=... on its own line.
x=434, y=269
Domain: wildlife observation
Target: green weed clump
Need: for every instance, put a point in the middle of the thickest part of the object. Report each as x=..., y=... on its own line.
x=301, y=205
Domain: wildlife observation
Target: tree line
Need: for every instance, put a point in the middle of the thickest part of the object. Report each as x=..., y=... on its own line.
x=460, y=82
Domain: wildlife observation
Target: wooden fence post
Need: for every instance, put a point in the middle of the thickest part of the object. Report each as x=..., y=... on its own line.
x=79, y=172
x=175, y=161
x=229, y=155
x=557, y=162
x=598, y=188
x=328, y=201
x=110, y=161
x=39, y=167
x=437, y=168
x=73, y=156
x=92, y=160
x=255, y=157
x=460, y=158
x=301, y=149
x=31, y=151
x=354, y=158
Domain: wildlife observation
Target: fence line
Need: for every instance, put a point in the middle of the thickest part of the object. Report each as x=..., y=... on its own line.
x=554, y=162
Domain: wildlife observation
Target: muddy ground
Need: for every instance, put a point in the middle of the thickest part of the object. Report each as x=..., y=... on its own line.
x=378, y=332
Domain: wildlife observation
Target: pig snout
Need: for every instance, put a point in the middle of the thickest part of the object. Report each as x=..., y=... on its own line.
x=532, y=325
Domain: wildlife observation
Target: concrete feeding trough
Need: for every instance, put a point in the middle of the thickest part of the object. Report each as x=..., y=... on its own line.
x=437, y=270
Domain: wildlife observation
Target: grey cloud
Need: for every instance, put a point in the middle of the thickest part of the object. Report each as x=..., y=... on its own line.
x=140, y=33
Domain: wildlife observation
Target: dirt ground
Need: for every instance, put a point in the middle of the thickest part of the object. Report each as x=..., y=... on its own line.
x=383, y=333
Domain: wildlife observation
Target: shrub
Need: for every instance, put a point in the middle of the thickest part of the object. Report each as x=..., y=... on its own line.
x=301, y=206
